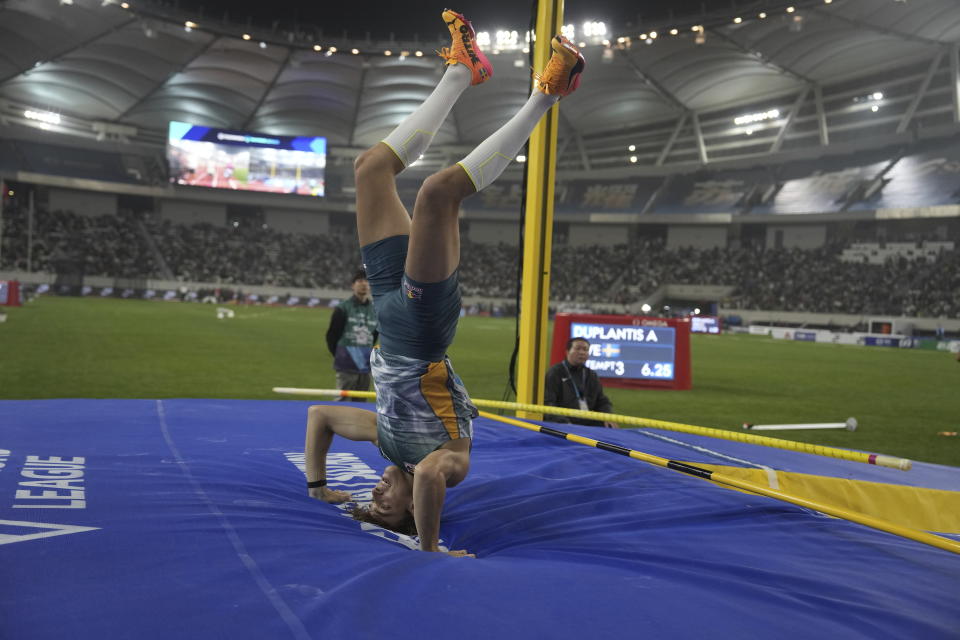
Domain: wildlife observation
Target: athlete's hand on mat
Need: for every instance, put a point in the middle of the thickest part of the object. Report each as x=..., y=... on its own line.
x=329, y=495
x=460, y=553
x=611, y=425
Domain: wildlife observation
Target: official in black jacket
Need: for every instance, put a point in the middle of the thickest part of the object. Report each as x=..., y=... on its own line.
x=572, y=385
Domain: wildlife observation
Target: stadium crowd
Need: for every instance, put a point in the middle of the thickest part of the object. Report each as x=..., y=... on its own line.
x=814, y=280
x=255, y=255
x=106, y=245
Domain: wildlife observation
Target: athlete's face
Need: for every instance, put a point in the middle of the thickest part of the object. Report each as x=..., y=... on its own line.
x=578, y=353
x=361, y=289
x=393, y=495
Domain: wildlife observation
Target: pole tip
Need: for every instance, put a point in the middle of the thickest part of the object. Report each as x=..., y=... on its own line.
x=747, y=425
x=851, y=424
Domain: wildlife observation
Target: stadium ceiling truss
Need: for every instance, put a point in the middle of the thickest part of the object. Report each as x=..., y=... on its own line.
x=846, y=71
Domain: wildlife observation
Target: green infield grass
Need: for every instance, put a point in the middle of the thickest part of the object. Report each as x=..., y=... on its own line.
x=107, y=348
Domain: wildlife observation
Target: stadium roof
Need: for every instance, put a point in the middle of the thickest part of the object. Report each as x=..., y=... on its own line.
x=805, y=77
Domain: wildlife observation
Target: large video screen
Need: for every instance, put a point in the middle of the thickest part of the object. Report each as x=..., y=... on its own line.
x=625, y=351
x=240, y=160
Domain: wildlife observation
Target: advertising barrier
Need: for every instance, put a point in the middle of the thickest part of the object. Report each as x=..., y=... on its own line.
x=10, y=293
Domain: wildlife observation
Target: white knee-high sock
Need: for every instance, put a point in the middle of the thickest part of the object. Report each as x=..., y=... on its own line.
x=485, y=163
x=412, y=136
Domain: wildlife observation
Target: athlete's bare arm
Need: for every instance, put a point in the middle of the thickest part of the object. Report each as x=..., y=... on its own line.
x=445, y=467
x=323, y=421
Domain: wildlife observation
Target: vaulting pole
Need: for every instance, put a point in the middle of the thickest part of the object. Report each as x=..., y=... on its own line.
x=30, y=232
x=849, y=425
x=3, y=199
x=720, y=478
x=538, y=230
x=737, y=436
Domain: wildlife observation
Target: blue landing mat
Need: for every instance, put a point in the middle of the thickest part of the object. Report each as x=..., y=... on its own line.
x=189, y=519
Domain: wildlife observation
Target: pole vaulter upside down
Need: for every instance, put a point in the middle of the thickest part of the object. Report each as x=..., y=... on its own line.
x=423, y=421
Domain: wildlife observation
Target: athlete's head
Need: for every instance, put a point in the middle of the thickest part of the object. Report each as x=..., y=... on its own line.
x=392, y=506
x=578, y=350
x=361, y=288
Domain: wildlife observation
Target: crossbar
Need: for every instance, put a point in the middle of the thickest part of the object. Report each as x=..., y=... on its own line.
x=737, y=436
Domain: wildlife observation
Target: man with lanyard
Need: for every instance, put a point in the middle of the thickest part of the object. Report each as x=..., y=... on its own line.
x=572, y=385
x=351, y=336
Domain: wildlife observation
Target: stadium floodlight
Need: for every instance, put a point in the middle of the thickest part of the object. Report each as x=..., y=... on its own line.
x=737, y=20
x=332, y=50
x=791, y=9
x=521, y=158
x=46, y=117
x=674, y=32
x=645, y=308
x=263, y=45
x=506, y=39
x=246, y=36
x=388, y=52
x=696, y=311
x=877, y=95
x=653, y=35
x=875, y=108
x=124, y=5
x=594, y=28
x=419, y=54
x=66, y=2
x=760, y=116
x=483, y=38
x=317, y=48
x=633, y=159
x=762, y=15
x=569, y=32
x=632, y=147
x=357, y=51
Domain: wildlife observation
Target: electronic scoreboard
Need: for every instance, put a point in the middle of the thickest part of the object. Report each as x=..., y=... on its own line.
x=705, y=324
x=629, y=351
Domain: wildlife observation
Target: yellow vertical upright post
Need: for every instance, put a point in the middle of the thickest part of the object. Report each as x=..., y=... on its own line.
x=538, y=229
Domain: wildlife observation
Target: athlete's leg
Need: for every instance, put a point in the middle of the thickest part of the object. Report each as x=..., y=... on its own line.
x=434, y=251
x=380, y=214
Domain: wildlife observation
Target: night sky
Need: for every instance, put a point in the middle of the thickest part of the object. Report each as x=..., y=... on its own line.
x=380, y=18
